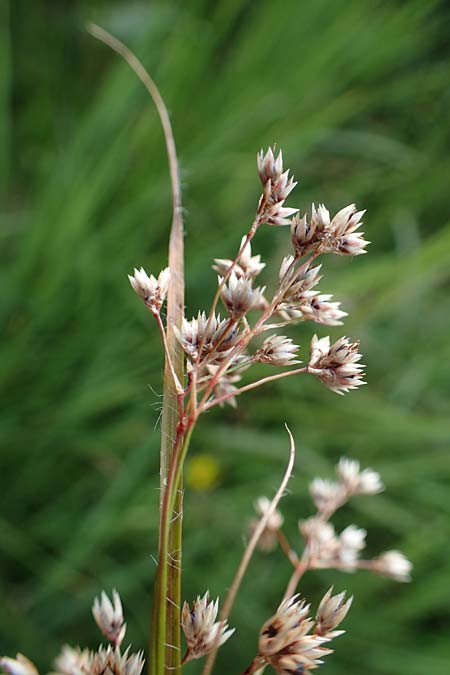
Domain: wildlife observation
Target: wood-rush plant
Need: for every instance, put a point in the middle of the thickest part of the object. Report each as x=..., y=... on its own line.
x=206, y=359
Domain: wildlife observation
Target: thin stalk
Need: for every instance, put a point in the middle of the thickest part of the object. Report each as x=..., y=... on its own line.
x=302, y=566
x=253, y=385
x=245, y=560
x=287, y=549
x=172, y=498
x=167, y=599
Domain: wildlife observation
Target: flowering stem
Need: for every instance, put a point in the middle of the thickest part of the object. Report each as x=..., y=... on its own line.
x=160, y=656
x=164, y=600
x=245, y=560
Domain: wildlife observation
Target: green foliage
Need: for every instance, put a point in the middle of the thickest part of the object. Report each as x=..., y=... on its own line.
x=356, y=94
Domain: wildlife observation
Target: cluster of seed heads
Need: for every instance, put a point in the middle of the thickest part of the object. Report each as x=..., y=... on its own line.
x=219, y=350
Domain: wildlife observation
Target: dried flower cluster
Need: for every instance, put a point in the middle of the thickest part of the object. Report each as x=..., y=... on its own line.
x=219, y=351
x=201, y=629
x=108, y=660
x=323, y=547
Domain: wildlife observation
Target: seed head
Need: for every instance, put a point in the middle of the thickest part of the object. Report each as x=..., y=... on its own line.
x=269, y=168
x=357, y=481
x=327, y=495
x=109, y=617
x=320, y=537
x=72, y=661
x=216, y=335
x=343, y=237
x=152, y=291
x=277, y=187
x=247, y=266
x=18, y=666
x=109, y=661
x=239, y=297
x=319, y=309
x=393, y=564
x=336, y=365
x=277, y=350
x=284, y=641
x=332, y=610
x=200, y=627
x=351, y=542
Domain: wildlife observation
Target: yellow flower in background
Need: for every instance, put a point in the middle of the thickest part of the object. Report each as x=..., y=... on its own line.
x=202, y=472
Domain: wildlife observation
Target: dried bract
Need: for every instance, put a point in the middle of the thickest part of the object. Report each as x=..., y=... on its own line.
x=285, y=640
x=200, y=627
x=246, y=267
x=239, y=297
x=320, y=536
x=277, y=350
x=277, y=187
x=111, y=661
x=336, y=365
x=73, y=661
x=326, y=495
x=318, y=309
x=331, y=612
x=342, y=236
x=357, y=481
x=216, y=336
x=351, y=541
x=152, y=291
x=393, y=564
x=18, y=666
x=109, y=617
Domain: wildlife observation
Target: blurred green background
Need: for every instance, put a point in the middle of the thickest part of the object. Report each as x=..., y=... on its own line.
x=357, y=94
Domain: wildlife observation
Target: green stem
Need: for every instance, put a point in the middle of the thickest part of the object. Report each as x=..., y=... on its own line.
x=164, y=651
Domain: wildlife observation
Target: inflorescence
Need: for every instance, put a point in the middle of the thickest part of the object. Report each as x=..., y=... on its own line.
x=220, y=351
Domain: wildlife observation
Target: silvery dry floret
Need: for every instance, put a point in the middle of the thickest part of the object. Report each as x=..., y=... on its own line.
x=327, y=495
x=247, y=266
x=303, y=236
x=331, y=612
x=320, y=537
x=200, y=627
x=319, y=309
x=239, y=297
x=357, y=481
x=215, y=336
x=298, y=282
x=393, y=564
x=284, y=641
x=109, y=617
x=351, y=542
x=109, y=661
x=324, y=235
x=336, y=365
x=277, y=187
x=73, y=661
x=342, y=236
x=152, y=291
x=18, y=666
x=277, y=350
